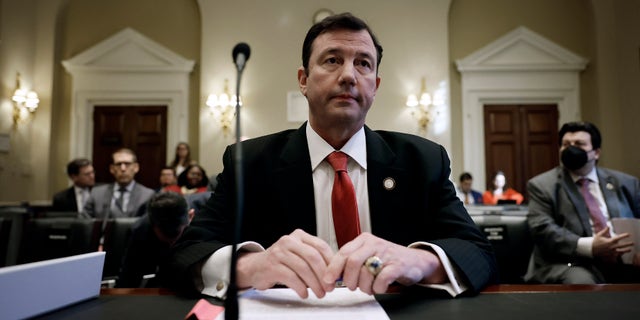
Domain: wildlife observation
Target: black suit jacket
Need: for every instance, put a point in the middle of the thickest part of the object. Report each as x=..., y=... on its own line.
x=143, y=255
x=423, y=206
x=65, y=200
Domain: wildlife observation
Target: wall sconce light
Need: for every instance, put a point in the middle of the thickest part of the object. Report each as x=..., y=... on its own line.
x=25, y=102
x=223, y=107
x=423, y=109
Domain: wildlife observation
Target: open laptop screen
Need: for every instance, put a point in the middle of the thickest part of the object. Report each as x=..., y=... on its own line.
x=35, y=288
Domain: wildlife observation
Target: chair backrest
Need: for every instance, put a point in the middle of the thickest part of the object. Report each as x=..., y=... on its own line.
x=116, y=238
x=60, y=214
x=512, y=243
x=49, y=238
x=5, y=232
x=11, y=234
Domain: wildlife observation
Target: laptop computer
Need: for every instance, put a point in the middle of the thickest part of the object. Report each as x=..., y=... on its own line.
x=35, y=288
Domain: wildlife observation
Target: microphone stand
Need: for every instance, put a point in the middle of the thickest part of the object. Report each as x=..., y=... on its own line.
x=231, y=303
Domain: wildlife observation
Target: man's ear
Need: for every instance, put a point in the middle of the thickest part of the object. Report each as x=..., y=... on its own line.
x=191, y=214
x=302, y=81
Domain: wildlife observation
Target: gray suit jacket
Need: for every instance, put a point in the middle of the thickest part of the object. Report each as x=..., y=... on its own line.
x=99, y=203
x=558, y=217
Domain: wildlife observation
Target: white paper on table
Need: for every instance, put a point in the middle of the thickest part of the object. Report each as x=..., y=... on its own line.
x=284, y=304
x=631, y=226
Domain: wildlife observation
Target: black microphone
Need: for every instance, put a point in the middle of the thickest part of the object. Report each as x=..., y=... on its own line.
x=240, y=56
x=241, y=53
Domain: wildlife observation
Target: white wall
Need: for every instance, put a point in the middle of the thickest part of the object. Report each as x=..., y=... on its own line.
x=413, y=34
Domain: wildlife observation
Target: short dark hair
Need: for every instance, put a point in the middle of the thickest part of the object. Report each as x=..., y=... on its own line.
x=73, y=167
x=342, y=21
x=588, y=127
x=127, y=151
x=168, y=167
x=168, y=211
x=465, y=176
x=183, y=181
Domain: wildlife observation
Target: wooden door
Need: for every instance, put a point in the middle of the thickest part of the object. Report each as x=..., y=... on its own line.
x=141, y=128
x=521, y=141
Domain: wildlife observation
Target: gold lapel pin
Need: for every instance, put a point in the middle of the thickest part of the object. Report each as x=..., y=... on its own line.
x=609, y=186
x=389, y=183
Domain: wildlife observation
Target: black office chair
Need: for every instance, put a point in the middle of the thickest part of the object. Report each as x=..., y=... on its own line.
x=116, y=238
x=49, y=238
x=512, y=243
x=11, y=234
x=5, y=231
x=60, y=214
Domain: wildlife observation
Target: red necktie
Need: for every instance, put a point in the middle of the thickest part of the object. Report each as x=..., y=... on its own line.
x=599, y=220
x=343, y=200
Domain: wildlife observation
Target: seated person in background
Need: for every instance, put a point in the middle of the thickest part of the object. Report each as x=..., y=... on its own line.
x=81, y=173
x=122, y=198
x=397, y=217
x=570, y=212
x=500, y=191
x=192, y=180
x=464, y=191
x=151, y=238
x=168, y=177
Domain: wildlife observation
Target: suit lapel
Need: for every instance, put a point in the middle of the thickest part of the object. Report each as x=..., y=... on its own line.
x=133, y=199
x=382, y=180
x=610, y=191
x=295, y=183
x=71, y=197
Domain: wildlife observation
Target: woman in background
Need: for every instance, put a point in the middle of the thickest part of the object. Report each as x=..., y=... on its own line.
x=500, y=191
x=182, y=158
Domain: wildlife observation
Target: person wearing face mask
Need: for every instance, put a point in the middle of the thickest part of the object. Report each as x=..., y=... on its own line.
x=570, y=212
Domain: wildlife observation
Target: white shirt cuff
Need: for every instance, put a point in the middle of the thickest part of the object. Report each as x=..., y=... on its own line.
x=215, y=271
x=585, y=247
x=455, y=286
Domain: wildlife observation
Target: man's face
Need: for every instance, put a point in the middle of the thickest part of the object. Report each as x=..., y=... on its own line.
x=342, y=80
x=582, y=140
x=167, y=177
x=465, y=185
x=123, y=168
x=86, y=178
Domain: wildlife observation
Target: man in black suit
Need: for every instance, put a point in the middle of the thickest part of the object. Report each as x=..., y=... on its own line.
x=414, y=228
x=571, y=246
x=81, y=173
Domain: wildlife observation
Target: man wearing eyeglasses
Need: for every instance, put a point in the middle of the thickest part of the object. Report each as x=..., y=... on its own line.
x=125, y=196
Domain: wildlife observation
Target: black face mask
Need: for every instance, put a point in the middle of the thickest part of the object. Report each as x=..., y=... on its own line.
x=574, y=158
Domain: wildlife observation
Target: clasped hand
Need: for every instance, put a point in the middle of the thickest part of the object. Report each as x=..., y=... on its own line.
x=300, y=261
x=610, y=248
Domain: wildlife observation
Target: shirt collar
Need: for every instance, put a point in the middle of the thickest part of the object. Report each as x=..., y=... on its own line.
x=592, y=176
x=319, y=149
x=129, y=187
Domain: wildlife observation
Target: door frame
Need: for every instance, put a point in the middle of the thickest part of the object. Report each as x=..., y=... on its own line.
x=521, y=67
x=82, y=139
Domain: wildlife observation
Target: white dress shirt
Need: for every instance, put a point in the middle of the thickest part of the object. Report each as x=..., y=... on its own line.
x=585, y=244
x=215, y=271
x=82, y=195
